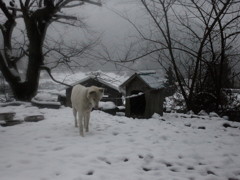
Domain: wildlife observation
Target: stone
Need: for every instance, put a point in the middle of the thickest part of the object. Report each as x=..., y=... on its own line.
x=34, y=118
x=7, y=116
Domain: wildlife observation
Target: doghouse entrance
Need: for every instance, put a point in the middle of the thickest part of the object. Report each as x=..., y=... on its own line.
x=137, y=104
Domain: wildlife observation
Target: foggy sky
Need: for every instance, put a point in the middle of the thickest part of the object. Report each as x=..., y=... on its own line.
x=116, y=33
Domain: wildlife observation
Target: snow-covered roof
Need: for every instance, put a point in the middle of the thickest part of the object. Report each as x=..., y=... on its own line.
x=111, y=79
x=99, y=79
x=150, y=78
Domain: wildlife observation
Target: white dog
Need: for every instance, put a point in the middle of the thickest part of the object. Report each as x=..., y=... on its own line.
x=83, y=100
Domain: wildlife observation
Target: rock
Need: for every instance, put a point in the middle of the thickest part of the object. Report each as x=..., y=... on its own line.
x=8, y=116
x=225, y=118
x=194, y=116
x=213, y=114
x=190, y=113
x=34, y=118
x=45, y=104
x=13, y=103
x=227, y=125
x=203, y=113
x=11, y=123
x=187, y=125
x=147, y=169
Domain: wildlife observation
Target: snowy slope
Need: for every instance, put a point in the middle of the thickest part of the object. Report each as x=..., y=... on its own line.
x=171, y=147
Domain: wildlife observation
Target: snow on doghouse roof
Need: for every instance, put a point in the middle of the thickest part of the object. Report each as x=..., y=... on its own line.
x=152, y=79
x=99, y=79
x=110, y=79
x=149, y=77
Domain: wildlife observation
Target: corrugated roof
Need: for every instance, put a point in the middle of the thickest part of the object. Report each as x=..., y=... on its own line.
x=152, y=79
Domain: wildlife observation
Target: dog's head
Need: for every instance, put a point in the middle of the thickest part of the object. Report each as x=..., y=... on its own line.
x=94, y=95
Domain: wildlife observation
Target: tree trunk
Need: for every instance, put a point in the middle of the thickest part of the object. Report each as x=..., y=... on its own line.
x=23, y=92
x=26, y=90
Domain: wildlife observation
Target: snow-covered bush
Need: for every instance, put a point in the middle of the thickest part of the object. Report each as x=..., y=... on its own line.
x=174, y=103
x=232, y=99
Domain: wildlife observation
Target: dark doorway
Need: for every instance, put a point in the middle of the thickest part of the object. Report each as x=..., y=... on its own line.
x=137, y=104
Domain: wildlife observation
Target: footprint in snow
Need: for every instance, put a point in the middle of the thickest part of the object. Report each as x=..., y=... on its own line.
x=115, y=133
x=8, y=166
x=24, y=161
x=164, y=138
x=168, y=164
x=131, y=140
x=125, y=159
x=210, y=172
x=121, y=122
x=190, y=168
x=57, y=173
x=47, y=137
x=89, y=173
x=58, y=148
x=174, y=170
x=104, y=160
x=180, y=156
x=146, y=169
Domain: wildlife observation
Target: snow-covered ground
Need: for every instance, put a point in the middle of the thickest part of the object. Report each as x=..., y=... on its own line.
x=174, y=146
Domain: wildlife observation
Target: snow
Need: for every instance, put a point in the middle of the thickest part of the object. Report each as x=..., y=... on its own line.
x=203, y=113
x=134, y=95
x=175, y=146
x=152, y=79
x=43, y=96
x=46, y=102
x=107, y=105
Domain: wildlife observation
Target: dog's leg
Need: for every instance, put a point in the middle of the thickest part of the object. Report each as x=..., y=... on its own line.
x=80, y=123
x=75, y=116
x=87, y=121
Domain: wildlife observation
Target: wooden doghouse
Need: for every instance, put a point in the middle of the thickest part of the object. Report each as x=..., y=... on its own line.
x=144, y=94
x=111, y=93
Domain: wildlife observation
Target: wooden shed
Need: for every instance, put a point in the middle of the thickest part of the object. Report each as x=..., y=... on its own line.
x=111, y=93
x=144, y=92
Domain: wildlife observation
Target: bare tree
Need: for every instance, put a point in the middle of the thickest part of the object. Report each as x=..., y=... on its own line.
x=197, y=39
x=37, y=15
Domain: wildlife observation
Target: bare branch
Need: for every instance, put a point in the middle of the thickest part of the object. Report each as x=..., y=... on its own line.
x=73, y=5
x=5, y=10
x=61, y=16
x=64, y=3
x=50, y=74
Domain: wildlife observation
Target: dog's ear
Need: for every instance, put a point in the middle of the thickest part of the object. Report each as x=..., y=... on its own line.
x=90, y=93
x=101, y=90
